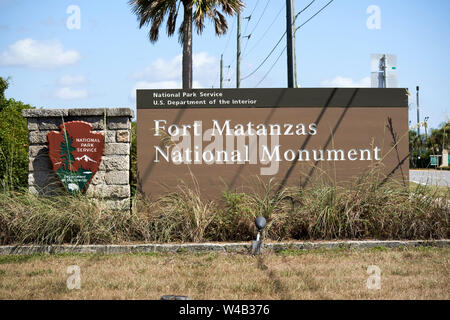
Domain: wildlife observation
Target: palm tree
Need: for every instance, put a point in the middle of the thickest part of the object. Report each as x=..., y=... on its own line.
x=153, y=12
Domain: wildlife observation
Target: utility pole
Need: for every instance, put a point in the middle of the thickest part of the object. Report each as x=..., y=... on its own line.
x=290, y=55
x=294, y=35
x=418, y=118
x=238, y=53
x=221, y=71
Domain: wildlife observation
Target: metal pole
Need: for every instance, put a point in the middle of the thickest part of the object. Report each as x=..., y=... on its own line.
x=290, y=55
x=238, y=51
x=418, y=118
x=221, y=71
x=294, y=38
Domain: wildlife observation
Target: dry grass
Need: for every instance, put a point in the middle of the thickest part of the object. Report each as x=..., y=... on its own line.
x=370, y=207
x=420, y=273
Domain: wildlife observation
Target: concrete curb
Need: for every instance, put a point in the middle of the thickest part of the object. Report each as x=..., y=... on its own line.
x=217, y=247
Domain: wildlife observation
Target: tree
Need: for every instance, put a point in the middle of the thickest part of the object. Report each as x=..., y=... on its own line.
x=13, y=141
x=423, y=146
x=153, y=13
x=3, y=86
x=439, y=138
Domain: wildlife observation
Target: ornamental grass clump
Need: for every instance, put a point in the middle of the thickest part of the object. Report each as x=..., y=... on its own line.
x=370, y=207
x=26, y=218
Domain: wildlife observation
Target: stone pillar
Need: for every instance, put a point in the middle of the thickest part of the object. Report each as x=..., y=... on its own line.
x=112, y=182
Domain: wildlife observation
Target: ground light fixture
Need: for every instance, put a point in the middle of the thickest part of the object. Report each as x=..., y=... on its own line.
x=258, y=245
x=173, y=297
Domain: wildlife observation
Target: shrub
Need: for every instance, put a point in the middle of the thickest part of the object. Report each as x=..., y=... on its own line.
x=13, y=142
x=234, y=219
x=370, y=209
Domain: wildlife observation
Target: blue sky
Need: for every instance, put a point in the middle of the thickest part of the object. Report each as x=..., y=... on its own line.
x=108, y=57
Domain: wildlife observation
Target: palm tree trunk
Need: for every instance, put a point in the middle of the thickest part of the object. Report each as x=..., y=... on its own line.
x=187, y=45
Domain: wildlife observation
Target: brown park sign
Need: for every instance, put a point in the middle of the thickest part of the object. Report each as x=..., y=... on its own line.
x=227, y=137
x=75, y=153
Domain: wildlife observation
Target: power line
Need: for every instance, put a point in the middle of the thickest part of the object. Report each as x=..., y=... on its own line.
x=265, y=32
x=304, y=9
x=260, y=17
x=270, y=53
x=250, y=16
x=279, y=41
x=256, y=25
x=273, y=65
x=314, y=15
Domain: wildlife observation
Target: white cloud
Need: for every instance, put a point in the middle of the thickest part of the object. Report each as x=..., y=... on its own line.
x=38, y=54
x=202, y=60
x=161, y=70
x=166, y=74
x=205, y=68
x=71, y=80
x=340, y=82
x=68, y=93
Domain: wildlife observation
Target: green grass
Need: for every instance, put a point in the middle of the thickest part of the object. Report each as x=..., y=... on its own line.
x=7, y=259
x=438, y=191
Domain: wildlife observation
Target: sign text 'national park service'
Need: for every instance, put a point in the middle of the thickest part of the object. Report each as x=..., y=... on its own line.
x=75, y=153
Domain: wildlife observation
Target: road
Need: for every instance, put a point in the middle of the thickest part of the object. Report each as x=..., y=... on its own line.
x=430, y=177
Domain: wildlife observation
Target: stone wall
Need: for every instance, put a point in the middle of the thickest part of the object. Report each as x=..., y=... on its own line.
x=112, y=182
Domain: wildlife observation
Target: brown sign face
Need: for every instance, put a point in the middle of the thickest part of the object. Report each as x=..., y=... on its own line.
x=227, y=138
x=75, y=153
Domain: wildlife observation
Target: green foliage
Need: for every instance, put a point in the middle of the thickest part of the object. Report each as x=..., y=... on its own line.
x=423, y=146
x=13, y=142
x=439, y=138
x=3, y=87
x=234, y=220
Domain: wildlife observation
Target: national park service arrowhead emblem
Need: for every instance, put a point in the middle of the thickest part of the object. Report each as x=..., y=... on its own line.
x=75, y=153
